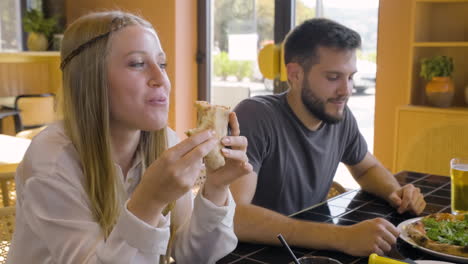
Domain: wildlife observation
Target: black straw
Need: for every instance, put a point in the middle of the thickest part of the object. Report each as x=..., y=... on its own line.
x=281, y=239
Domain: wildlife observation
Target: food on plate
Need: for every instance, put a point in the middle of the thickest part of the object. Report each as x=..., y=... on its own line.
x=441, y=232
x=215, y=117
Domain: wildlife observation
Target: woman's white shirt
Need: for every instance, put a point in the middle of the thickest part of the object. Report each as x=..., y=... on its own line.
x=54, y=223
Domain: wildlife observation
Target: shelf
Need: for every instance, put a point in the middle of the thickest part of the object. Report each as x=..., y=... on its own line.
x=440, y=21
x=454, y=44
x=459, y=76
x=29, y=56
x=439, y=110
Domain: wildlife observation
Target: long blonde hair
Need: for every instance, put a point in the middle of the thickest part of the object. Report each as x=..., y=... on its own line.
x=86, y=110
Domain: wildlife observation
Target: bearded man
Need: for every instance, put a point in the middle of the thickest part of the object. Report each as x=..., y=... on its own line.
x=297, y=140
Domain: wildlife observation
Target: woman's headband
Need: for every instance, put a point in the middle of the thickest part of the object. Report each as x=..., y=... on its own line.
x=116, y=24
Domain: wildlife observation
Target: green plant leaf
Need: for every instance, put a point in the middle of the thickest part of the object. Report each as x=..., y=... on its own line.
x=437, y=66
x=34, y=21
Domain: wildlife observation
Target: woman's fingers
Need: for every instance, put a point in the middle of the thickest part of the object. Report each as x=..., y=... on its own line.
x=233, y=154
x=187, y=145
x=236, y=142
x=197, y=153
x=234, y=124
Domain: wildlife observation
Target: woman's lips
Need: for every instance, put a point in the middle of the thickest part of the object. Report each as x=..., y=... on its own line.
x=158, y=101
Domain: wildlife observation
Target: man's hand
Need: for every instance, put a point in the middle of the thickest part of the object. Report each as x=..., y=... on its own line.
x=371, y=236
x=407, y=199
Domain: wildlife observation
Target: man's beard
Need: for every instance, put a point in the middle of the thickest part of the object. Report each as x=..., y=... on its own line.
x=317, y=106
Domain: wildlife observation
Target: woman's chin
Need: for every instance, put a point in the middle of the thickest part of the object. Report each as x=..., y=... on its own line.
x=156, y=125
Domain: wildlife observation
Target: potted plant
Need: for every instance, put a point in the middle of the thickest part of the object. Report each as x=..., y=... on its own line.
x=39, y=28
x=438, y=72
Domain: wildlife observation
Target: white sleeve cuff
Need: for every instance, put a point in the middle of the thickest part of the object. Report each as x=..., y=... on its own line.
x=209, y=215
x=141, y=235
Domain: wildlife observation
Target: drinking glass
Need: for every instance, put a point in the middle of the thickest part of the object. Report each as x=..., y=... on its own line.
x=459, y=179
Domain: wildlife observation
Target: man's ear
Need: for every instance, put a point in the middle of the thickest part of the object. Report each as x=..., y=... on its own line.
x=295, y=72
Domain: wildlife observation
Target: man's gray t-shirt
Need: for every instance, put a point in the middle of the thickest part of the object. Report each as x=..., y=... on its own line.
x=295, y=166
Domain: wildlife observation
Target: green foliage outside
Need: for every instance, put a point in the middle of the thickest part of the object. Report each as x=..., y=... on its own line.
x=243, y=16
x=242, y=69
x=224, y=67
x=221, y=65
x=34, y=21
x=438, y=66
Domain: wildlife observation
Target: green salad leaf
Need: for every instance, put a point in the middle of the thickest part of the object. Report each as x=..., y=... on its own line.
x=447, y=232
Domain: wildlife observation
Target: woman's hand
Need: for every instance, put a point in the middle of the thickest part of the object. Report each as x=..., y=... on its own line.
x=237, y=165
x=170, y=176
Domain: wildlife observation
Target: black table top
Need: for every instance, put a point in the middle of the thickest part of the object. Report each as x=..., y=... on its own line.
x=350, y=208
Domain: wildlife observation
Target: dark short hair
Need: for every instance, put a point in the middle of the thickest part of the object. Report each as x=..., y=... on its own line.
x=302, y=42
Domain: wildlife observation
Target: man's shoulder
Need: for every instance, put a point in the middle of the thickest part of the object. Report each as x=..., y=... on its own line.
x=260, y=104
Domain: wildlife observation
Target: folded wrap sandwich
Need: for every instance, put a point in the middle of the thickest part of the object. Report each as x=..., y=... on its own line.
x=215, y=117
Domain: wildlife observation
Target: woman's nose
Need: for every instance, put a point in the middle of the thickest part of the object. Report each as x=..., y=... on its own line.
x=156, y=77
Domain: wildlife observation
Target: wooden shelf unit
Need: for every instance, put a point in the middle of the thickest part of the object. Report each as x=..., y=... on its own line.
x=440, y=27
x=426, y=137
x=460, y=75
x=29, y=72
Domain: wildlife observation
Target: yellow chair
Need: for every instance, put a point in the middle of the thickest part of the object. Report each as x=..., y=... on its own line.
x=36, y=110
x=7, y=226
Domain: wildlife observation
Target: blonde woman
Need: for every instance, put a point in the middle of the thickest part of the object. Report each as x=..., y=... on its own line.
x=110, y=184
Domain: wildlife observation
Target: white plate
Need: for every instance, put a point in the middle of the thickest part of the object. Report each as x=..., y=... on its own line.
x=404, y=235
x=432, y=262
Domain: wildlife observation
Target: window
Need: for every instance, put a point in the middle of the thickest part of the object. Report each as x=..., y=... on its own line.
x=10, y=25
x=239, y=30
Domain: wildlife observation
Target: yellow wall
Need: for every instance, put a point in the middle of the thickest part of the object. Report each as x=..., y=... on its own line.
x=393, y=73
x=176, y=24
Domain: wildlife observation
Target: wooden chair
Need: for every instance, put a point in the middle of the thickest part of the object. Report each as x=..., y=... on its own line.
x=335, y=189
x=7, y=188
x=35, y=110
x=7, y=226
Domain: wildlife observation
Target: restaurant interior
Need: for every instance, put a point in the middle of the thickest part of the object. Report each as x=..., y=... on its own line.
x=414, y=137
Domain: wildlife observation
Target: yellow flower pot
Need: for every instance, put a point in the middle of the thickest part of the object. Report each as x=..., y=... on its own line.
x=440, y=91
x=37, y=42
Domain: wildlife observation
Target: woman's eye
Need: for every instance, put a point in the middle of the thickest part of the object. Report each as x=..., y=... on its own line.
x=137, y=64
x=163, y=66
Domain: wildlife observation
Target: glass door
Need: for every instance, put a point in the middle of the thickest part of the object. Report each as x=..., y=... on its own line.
x=239, y=29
